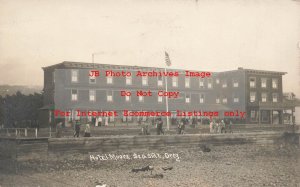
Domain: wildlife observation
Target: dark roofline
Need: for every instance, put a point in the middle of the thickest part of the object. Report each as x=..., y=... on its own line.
x=263, y=71
x=83, y=65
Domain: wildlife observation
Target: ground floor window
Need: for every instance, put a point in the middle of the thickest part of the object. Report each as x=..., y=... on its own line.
x=254, y=115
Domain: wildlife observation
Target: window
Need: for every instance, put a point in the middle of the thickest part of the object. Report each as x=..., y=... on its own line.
x=275, y=97
x=218, y=100
x=201, y=83
x=127, y=98
x=187, y=98
x=263, y=82
x=109, y=96
x=144, y=80
x=235, y=83
x=252, y=82
x=175, y=81
x=128, y=80
x=274, y=83
x=236, y=99
x=160, y=99
x=159, y=81
x=109, y=80
x=224, y=100
x=201, y=98
x=92, y=95
x=209, y=83
x=252, y=97
x=187, y=82
x=217, y=81
x=74, y=75
x=141, y=98
x=74, y=94
x=224, y=84
x=264, y=97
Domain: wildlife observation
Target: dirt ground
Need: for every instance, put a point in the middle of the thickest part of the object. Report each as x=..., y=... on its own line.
x=231, y=165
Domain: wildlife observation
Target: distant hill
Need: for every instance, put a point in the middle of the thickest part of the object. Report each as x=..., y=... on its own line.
x=12, y=89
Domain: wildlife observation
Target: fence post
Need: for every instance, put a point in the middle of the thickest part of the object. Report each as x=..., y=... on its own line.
x=35, y=132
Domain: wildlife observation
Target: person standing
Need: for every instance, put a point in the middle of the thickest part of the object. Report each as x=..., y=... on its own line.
x=223, y=127
x=59, y=129
x=106, y=121
x=100, y=121
x=219, y=127
x=211, y=127
x=87, y=130
x=230, y=127
x=214, y=126
x=77, y=128
x=159, y=126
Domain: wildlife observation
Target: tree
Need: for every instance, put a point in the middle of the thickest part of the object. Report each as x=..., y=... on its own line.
x=21, y=110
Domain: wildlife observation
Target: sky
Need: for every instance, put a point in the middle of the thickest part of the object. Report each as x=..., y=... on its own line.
x=204, y=35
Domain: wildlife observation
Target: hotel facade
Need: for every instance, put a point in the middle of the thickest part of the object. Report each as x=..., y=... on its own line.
x=70, y=87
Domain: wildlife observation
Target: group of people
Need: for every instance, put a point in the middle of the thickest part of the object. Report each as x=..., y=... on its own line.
x=219, y=127
x=216, y=127
x=145, y=127
x=181, y=125
x=87, y=130
x=99, y=121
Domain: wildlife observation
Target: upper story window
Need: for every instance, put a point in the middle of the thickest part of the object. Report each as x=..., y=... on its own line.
x=235, y=83
x=187, y=98
x=187, y=82
x=218, y=100
x=109, y=79
x=159, y=81
x=209, y=83
x=175, y=81
x=275, y=97
x=128, y=80
x=224, y=100
x=252, y=82
x=201, y=83
x=109, y=96
x=252, y=97
x=160, y=99
x=263, y=97
x=144, y=80
x=74, y=95
x=141, y=98
x=275, y=83
x=236, y=99
x=263, y=82
x=74, y=76
x=224, y=84
x=217, y=81
x=92, y=95
x=127, y=98
x=201, y=98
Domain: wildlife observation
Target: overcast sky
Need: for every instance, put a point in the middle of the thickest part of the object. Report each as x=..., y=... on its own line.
x=209, y=35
